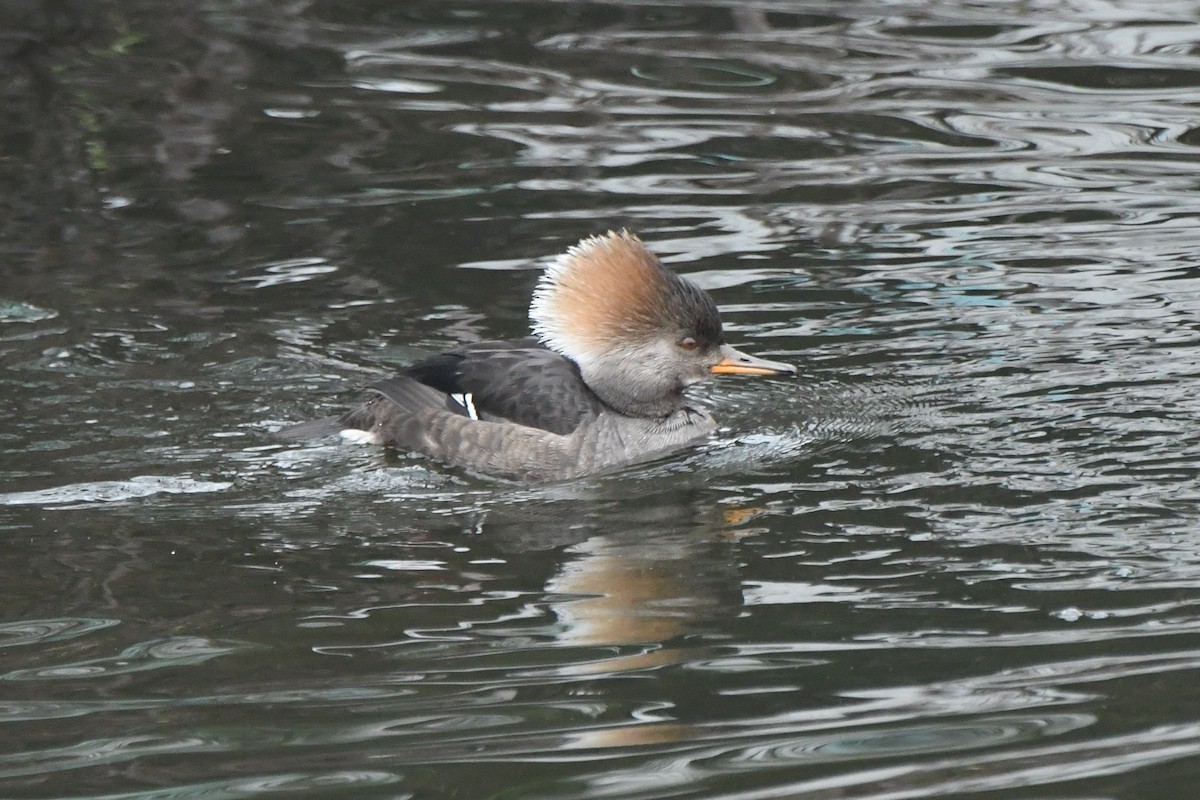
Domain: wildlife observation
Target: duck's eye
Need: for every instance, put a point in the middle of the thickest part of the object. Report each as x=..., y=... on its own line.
x=688, y=343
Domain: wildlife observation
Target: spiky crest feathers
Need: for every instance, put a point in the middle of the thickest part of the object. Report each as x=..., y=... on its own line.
x=610, y=289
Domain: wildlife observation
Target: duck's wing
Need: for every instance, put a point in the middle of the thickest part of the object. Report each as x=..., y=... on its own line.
x=517, y=381
x=408, y=415
x=504, y=409
x=378, y=411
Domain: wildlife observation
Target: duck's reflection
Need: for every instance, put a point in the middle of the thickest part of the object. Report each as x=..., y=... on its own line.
x=651, y=585
x=622, y=592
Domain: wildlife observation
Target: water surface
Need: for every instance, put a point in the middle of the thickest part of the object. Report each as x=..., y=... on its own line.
x=958, y=557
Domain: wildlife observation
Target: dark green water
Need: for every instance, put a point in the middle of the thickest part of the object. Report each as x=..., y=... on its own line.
x=957, y=558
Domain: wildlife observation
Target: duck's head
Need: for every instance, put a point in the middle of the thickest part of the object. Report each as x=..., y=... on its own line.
x=639, y=333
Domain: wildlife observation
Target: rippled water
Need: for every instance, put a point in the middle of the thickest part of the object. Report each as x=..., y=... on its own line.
x=958, y=557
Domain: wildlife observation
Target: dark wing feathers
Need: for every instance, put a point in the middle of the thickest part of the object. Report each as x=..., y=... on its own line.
x=518, y=381
x=415, y=395
x=399, y=412
x=409, y=415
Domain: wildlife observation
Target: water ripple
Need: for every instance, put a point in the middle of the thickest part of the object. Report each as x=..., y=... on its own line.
x=308, y=698
x=957, y=556
x=44, y=631
x=111, y=491
x=834, y=747
x=99, y=753
x=1048, y=765
x=141, y=657
x=243, y=788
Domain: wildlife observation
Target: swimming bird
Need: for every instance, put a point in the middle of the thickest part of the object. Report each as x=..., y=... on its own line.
x=617, y=339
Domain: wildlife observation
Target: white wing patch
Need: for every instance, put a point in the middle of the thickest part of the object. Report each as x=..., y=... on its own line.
x=465, y=400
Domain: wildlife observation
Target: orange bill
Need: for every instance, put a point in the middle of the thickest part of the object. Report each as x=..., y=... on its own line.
x=735, y=362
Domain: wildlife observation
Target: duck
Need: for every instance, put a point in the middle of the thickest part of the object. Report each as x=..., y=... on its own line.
x=617, y=340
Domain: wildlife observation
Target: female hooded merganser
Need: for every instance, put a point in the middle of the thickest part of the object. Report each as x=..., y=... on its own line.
x=617, y=339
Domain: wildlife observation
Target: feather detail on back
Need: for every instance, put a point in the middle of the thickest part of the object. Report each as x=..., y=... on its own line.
x=516, y=381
